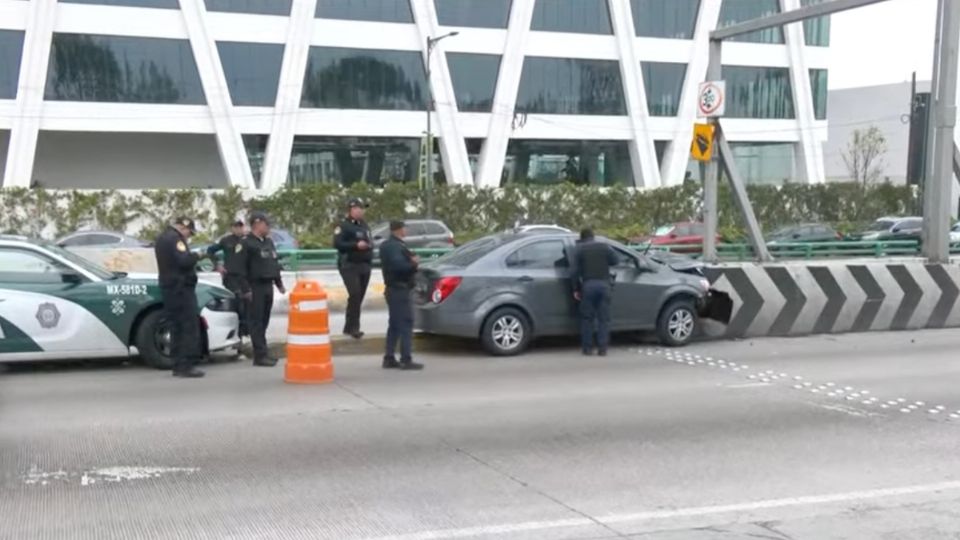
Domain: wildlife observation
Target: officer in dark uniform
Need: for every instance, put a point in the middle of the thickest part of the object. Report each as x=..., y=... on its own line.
x=176, y=265
x=260, y=272
x=592, y=284
x=399, y=265
x=355, y=255
x=232, y=247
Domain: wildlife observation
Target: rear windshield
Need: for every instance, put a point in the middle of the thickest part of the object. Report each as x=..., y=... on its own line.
x=881, y=225
x=470, y=252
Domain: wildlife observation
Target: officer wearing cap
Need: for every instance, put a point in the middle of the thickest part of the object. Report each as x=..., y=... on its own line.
x=354, y=257
x=232, y=246
x=259, y=268
x=176, y=265
x=399, y=266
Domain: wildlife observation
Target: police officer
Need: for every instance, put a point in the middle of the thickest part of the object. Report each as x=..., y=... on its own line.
x=232, y=247
x=592, y=284
x=260, y=272
x=176, y=265
x=399, y=265
x=355, y=255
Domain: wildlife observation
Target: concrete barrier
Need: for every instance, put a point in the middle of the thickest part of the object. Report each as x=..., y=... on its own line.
x=803, y=298
x=332, y=283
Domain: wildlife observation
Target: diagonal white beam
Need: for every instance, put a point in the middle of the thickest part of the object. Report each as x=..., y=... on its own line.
x=28, y=106
x=643, y=153
x=289, y=91
x=233, y=154
x=809, y=150
x=494, y=153
x=677, y=155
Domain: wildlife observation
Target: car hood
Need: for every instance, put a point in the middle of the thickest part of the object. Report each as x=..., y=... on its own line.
x=147, y=278
x=677, y=262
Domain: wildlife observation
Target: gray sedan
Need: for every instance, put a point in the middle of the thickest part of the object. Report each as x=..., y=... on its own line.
x=509, y=288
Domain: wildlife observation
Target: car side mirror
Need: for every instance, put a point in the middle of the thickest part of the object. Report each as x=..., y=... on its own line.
x=796, y=235
x=895, y=230
x=71, y=278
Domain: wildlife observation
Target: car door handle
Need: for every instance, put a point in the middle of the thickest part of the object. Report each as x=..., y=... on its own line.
x=525, y=278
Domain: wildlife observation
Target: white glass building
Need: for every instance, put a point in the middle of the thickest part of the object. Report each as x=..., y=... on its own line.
x=265, y=93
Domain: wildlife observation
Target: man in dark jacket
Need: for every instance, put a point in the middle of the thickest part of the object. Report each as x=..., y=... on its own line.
x=260, y=273
x=354, y=258
x=176, y=266
x=232, y=247
x=399, y=268
x=592, y=285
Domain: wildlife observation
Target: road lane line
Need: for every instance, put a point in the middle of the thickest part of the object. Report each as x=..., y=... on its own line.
x=696, y=511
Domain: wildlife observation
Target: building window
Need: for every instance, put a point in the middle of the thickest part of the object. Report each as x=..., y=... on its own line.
x=818, y=84
x=474, y=80
x=364, y=79
x=579, y=16
x=252, y=71
x=663, y=82
x=765, y=163
x=570, y=86
x=758, y=92
x=675, y=19
x=478, y=13
x=348, y=160
x=546, y=162
x=736, y=11
x=397, y=11
x=262, y=7
x=122, y=70
x=816, y=32
x=11, y=50
x=166, y=4
x=256, y=146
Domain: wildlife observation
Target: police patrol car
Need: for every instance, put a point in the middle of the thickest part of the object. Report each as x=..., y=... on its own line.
x=57, y=305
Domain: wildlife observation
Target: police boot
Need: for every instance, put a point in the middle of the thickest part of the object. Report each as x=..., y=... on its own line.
x=410, y=365
x=390, y=362
x=192, y=373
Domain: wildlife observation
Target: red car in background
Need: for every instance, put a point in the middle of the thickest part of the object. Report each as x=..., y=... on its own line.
x=686, y=236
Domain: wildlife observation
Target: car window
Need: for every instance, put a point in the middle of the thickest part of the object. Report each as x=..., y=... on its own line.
x=100, y=240
x=697, y=229
x=663, y=231
x=624, y=259
x=21, y=266
x=470, y=252
x=912, y=224
x=415, y=229
x=434, y=229
x=544, y=254
x=881, y=225
x=682, y=230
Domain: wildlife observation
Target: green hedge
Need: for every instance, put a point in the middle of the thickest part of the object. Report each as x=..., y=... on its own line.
x=312, y=212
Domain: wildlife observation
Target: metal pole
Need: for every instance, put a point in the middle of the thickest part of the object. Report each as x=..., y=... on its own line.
x=429, y=182
x=937, y=223
x=931, y=128
x=710, y=180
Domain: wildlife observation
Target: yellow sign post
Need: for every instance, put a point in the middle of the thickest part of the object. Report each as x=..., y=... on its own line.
x=702, y=147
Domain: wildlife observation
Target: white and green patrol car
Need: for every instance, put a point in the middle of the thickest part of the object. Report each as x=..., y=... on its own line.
x=56, y=305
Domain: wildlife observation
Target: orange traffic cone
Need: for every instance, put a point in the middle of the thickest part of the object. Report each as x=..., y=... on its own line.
x=308, y=336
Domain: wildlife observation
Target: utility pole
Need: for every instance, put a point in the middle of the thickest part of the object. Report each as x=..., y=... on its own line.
x=431, y=43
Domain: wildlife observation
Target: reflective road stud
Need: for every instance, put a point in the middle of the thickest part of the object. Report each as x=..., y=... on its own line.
x=308, y=336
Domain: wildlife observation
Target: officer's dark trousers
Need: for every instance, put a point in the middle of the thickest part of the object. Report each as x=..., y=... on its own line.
x=259, y=317
x=400, y=326
x=595, y=315
x=180, y=312
x=356, y=278
x=232, y=283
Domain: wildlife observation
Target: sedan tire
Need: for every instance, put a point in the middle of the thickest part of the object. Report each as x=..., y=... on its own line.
x=153, y=341
x=506, y=332
x=677, y=324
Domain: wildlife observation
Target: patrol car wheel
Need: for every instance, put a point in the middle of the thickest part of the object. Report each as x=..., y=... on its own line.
x=506, y=332
x=153, y=341
x=677, y=324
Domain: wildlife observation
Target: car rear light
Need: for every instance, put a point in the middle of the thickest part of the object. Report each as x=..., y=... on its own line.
x=444, y=288
x=450, y=239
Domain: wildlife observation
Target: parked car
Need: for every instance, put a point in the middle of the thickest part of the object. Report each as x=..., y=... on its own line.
x=893, y=228
x=109, y=239
x=509, y=288
x=540, y=229
x=684, y=237
x=806, y=233
x=955, y=234
x=57, y=305
x=421, y=233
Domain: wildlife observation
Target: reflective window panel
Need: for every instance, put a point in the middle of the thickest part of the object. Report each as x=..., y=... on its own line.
x=674, y=19
x=818, y=83
x=758, y=92
x=546, y=162
x=765, y=163
x=122, y=70
x=474, y=80
x=478, y=13
x=570, y=86
x=663, y=82
x=262, y=7
x=734, y=11
x=339, y=78
x=579, y=16
x=11, y=50
x=816, y=32
x=348, y=160
x=167, y=4
x=252, y=70
x=366, y=10
x=256, y=146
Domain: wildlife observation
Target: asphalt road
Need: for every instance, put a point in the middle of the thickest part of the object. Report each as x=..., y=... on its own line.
x=640, y=444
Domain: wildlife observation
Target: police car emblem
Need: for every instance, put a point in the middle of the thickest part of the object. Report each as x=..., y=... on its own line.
x=181, y=246
x=48, y=315
x=118, y=307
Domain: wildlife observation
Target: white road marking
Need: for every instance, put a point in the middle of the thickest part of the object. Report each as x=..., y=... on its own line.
x=659, y=515
x=107, y=474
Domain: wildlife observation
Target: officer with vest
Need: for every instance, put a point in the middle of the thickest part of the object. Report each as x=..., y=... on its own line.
x=176, y=266
x=232, y=247
x=592, y=284
x=354, y=257
x=399, y=266
x=260, y=273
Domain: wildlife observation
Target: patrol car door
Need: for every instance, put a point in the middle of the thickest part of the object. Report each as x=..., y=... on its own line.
x=540, y=273
x=635, y=292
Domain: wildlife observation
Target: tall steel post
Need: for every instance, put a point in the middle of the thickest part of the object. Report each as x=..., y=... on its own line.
x=710, y=180
x=931, y=127
x=429, y=181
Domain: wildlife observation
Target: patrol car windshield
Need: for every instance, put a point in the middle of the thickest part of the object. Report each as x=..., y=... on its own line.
x=89, y=266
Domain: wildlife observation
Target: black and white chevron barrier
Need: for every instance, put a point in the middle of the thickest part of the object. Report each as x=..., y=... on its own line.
x=798, y=298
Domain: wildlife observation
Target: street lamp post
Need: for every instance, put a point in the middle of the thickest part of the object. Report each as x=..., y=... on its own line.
x=431, y=43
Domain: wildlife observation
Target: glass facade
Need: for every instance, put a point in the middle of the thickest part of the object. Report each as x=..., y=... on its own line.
x=397, y=11
x=348, y=160
x=477, y=13
x=11, y=50
x=166, y=4
x=256, y=146
x=545, y=162
x=734, y=11
x=818, y=83
x=570, y=86
x=364, y=79
x=474, y=80
x=122, y=70
x=816, y=32
x=262, y=7
x=758, y=92
x=674, y=19
x=579, y=16
x=252, y=71
x=765, y=163
x=663, y=82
